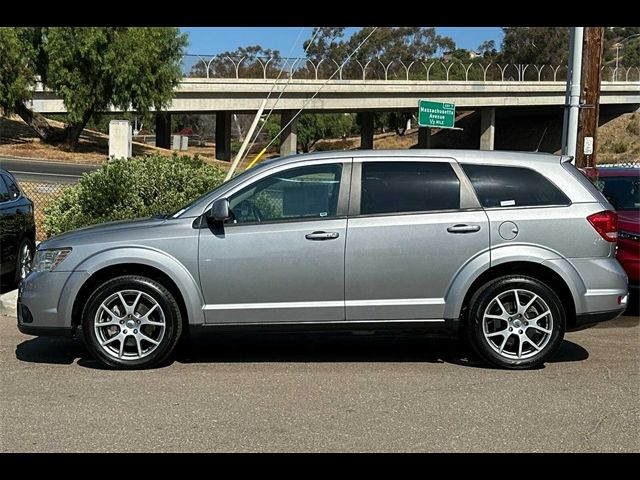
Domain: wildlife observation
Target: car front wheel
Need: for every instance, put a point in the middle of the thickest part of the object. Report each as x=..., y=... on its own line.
x=131, y=322
x=515, y=322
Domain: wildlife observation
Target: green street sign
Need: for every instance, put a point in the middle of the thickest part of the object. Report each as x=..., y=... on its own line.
x=436, y=114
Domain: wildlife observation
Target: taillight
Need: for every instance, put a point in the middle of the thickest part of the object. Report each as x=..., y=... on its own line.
x=606, y=224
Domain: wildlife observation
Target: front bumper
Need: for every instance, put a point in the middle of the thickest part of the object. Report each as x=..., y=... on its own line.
x=45, y=302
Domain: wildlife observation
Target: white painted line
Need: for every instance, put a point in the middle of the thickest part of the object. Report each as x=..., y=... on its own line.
x=15, y=172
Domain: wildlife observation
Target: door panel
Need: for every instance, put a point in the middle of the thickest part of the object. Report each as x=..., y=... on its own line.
x=280, y=258
x=272, y=273
x=400, y=266
x=414, y=224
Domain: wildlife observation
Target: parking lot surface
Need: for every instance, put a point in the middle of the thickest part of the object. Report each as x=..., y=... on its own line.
x=322, y=392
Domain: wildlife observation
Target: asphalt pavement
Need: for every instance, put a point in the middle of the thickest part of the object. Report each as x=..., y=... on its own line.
x=325, y=392
x=33, y=170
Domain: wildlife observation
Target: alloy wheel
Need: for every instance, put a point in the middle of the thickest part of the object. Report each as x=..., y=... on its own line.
x=129, y=324
x=517, y=324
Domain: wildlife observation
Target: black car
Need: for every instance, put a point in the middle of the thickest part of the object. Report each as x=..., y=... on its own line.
x=17, y=231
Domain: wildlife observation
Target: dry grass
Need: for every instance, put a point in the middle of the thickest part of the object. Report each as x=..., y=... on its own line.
x=17, y=139
x=619, y=139
x=41, y=194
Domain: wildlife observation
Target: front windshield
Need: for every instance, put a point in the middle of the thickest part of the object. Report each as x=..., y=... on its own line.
x=622, y=192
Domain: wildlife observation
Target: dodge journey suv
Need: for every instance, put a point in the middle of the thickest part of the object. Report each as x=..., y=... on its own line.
x=507, y=249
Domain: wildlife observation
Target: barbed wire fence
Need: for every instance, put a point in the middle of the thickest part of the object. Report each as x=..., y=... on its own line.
x=252, y=67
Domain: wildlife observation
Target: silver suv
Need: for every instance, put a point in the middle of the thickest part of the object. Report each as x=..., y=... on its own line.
x=507, y=249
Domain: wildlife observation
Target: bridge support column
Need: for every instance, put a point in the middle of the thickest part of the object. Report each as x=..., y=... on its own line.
x=487, y=128
x=163, y=130
x=424, y=137
x=289, y=136
x=366, y=131
x=223, y=136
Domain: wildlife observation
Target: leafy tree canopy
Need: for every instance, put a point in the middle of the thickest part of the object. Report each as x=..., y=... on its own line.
x=386, y=43
x=91, y=68
x=535, y=45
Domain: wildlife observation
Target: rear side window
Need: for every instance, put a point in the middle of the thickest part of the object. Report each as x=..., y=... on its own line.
x=498, y=186
x=399, y=187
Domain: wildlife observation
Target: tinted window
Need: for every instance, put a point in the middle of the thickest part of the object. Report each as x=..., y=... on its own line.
x=389, y=187
x=14, y=191
x=305, y=192
x=622, y=192
x=512, y=187
x=4, y=191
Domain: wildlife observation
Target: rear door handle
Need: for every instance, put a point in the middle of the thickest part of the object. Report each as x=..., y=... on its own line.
x=322, y=235
x=463, y=228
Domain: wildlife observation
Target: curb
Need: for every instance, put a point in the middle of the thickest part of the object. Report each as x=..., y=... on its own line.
x=8, y=302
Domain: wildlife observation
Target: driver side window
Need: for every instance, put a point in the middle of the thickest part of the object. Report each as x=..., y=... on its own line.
x=303, y=192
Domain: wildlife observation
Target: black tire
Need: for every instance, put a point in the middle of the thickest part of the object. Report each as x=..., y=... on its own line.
x=166, y=302
x=17, y=276
x=486, y=295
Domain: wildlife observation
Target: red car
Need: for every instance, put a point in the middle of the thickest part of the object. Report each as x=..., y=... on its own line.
x=621, y=186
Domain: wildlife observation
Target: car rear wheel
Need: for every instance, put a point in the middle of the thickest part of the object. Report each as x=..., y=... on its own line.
x=515, y=322
x=131, y=322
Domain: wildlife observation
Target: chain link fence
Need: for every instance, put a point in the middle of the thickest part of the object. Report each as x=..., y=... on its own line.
x=41, y=194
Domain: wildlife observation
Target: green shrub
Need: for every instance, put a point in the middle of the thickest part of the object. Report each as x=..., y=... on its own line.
x=133, y=188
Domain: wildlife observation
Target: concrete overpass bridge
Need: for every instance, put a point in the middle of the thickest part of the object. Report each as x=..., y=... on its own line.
x=225, y=85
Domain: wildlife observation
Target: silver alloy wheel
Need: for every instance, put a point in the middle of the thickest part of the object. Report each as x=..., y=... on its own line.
x=129, y=325
x=517, y=324
x=25, y=257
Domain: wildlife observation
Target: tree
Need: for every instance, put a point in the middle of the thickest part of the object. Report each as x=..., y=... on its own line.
x=249, y=61
x=404, y=44
x=129, y=68
x=312, y=127
x=20, y=59
x=535, y=45
x=487, y=49
x=93, y=68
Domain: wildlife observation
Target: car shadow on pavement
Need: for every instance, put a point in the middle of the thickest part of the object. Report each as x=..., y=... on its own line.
x=293, y=348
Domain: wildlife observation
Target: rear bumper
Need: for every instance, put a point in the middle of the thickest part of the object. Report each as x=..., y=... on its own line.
x=601, y=286
x=587, y=320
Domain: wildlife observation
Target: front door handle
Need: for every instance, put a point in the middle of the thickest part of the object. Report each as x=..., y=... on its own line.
x=463, y=228
x=322, y=235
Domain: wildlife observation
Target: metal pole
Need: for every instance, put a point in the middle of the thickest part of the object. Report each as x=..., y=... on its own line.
x=573, y=87
x=236, y=161
x=565, y=118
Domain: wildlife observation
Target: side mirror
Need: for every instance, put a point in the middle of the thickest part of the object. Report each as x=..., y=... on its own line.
x=220, y=210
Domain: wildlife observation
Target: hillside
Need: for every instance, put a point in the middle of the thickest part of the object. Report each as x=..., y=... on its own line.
x=618, y=139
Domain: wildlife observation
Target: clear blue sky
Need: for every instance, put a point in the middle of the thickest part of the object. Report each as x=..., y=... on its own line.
x=212, y=40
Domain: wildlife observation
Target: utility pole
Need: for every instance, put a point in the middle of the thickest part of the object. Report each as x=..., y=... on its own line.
x=572, y=97
x=590, y=109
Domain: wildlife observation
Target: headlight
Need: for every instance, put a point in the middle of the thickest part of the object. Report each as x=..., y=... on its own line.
x=47, y=260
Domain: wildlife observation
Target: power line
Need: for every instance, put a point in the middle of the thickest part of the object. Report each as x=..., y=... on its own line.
x=317, y=30
x=312, y=97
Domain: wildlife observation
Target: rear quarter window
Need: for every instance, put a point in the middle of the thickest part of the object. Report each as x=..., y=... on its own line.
x=501, y=186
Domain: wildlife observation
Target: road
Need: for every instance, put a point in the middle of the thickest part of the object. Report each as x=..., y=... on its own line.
x=28, y=170
x=322, y=393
